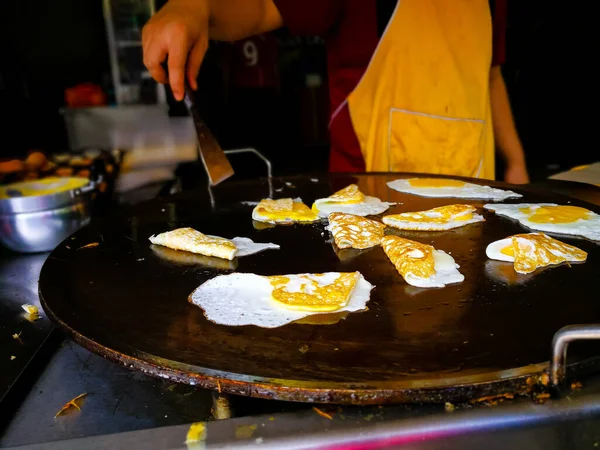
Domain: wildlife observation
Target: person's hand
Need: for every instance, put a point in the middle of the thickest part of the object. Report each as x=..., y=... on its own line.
x=178, y=33
x=516, y=173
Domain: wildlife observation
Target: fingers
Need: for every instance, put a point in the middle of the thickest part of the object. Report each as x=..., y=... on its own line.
x=154, y=54
x=195, y=60
x=153, y=59
x=178, y=50
x=175, y=33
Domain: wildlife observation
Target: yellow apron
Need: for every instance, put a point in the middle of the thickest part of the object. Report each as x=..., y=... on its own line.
x=423, y=102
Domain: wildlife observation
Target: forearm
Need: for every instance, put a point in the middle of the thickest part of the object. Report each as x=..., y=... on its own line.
x=232, y=20
x=505, y=132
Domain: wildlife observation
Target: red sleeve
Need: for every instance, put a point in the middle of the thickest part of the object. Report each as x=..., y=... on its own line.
x=499, y=32
x=309, y=17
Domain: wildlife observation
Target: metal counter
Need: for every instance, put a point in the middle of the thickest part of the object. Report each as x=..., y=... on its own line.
x=124, y=409
x=20, y=335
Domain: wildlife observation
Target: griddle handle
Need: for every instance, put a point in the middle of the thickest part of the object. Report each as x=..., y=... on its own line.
x=561, y=341
x=256, y=153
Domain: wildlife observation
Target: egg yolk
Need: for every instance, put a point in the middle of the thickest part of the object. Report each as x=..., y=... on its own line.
x=299, y=213
x=349, y=195
x=410, y=256
x=442, y=214
x=306, y=293
x=508, y=251
x=282, y=204
x=355, y=231
x=556, y=214
x=435, y=182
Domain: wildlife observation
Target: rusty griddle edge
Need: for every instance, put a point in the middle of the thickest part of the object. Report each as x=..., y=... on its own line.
x=519, y=381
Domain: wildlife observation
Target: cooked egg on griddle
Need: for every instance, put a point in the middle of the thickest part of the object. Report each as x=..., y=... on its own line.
x=351, y=231
x=193, y=259
x=350, y=200
x=273, y=301
x=421, y=265
x=532, y=251
x=552, y=218
x=190, y=240
x=283, y=211
x=436, y=219
x=444, y=187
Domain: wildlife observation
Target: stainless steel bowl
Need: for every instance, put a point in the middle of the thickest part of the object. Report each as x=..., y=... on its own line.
x=40, y=223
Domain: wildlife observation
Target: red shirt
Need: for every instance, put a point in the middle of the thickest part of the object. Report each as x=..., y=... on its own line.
x=253, y=61
x=351, y=29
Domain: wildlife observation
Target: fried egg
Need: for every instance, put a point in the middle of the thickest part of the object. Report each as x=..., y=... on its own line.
x=552, y=218
x=350, y=200
x=283, y=211
x=421, y=265
x=273, y=301
x=190, y=240
x=443, y=187
x=532, y=251
x=350, y=231
x=436, y=219
x=193, y=259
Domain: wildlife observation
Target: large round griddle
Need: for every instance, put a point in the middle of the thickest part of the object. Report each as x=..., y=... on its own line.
x=491, y=334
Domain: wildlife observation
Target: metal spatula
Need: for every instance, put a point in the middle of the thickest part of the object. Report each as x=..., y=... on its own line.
x=214, y=159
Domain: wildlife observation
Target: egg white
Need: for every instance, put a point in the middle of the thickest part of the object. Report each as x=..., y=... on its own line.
x=241, y=299
x=588, y=228
x=446, y=272
x=246, y=246
x=468, y=190
x=494, y=250
x=370, y=206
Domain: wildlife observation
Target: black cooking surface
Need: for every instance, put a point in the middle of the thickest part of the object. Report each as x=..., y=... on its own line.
x=129, y=303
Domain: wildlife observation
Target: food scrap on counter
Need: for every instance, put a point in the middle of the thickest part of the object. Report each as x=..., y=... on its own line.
x=71, y=404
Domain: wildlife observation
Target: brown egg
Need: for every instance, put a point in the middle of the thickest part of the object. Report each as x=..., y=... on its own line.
x=11, y=166
x=35, y=160
x=64, y=172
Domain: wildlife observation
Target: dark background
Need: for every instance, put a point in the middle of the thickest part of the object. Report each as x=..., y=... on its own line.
x=47, y=46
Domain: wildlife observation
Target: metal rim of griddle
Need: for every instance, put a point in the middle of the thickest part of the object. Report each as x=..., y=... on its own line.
x=519, y=380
